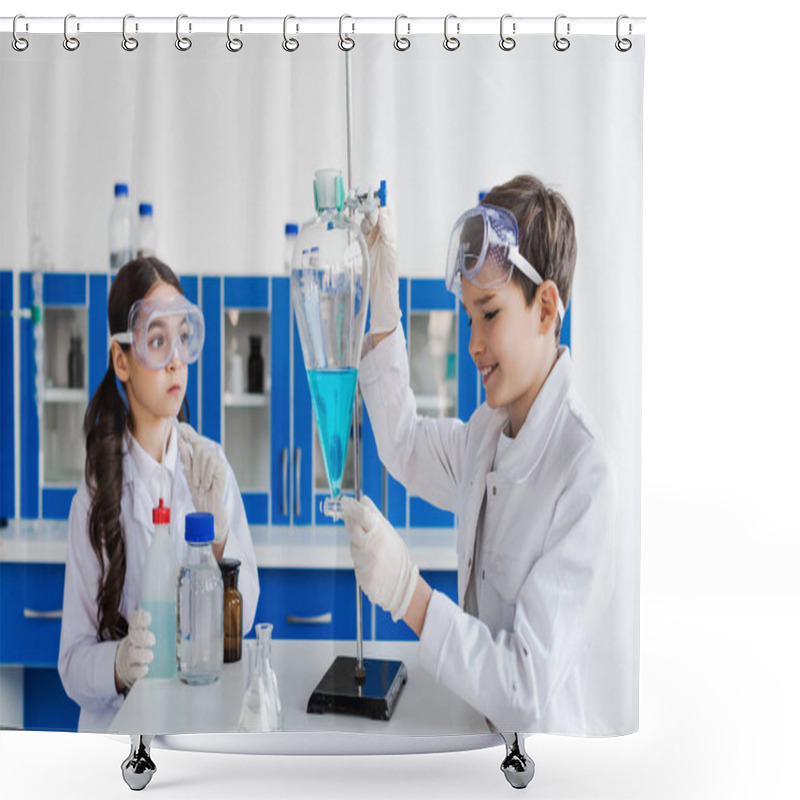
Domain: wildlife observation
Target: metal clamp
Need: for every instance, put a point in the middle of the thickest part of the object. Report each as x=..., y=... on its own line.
x=285, y=473
x=233, y=44
x=71, y=43
x=183, y=43
x=346, y=42
x=401, y=42
x=623, y=45
x=289, y=44
x=18, y=43
x=507, y=42
x=561, y=43
x=451, y=42
x=129, y=43
x=298, y=509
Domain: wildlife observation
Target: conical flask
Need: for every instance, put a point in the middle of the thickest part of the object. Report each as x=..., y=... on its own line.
x=261, y=706
x=330, y=293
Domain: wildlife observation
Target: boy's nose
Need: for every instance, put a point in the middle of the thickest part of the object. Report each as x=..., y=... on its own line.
x=475, y=342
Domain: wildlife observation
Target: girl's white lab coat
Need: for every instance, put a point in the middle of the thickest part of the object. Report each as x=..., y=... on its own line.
x=532, y=659
x=86, y=666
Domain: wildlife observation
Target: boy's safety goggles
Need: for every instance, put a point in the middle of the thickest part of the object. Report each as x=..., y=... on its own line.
x=484, y=249
x=160, y=329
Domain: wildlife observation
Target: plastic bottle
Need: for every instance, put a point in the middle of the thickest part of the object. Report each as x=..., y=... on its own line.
x=231, y=609
x=119, y=228
x=291, y=232
x=255, y=367
x=261, y=705
x=75, y=363
x=159, y=594
x=145, y=232
x=200, y=626
x=235, y=369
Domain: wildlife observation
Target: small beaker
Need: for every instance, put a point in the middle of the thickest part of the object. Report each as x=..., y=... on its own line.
x=261, y=706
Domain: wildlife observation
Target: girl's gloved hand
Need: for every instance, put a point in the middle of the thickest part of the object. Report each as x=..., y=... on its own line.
x=207, y=473
x=134, y=652
x=380, y=556
x=384, y=287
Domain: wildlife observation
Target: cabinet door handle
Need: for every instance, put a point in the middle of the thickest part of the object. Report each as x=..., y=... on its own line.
x=320, y=619
x=297, y=459
x=29, y=613
x=285, y=468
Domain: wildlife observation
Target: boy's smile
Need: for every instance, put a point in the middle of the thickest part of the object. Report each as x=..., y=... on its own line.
x=512, y=344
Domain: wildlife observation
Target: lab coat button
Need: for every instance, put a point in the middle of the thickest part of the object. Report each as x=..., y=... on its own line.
x=483, y=574
x=494, y=490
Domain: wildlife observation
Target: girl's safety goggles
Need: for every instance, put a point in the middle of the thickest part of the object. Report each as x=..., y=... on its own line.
x=484, y=249
x=160, y=329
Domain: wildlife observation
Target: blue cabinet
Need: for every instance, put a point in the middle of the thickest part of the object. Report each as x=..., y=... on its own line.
x=445, y=581
x=8, y=476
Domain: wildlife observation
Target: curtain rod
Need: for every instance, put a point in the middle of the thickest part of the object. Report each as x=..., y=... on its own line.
x=404, y=26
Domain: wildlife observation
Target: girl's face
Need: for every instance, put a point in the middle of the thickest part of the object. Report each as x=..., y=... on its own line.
x=513, y=345
x=153, y=394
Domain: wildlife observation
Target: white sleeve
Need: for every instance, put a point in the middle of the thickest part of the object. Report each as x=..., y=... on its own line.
x=239, y=545
x=86, y=666
x=513, y=677
x=424, y=454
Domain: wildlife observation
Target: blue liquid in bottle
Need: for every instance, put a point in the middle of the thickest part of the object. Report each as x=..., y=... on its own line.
x=332, y=395
x=163, y=628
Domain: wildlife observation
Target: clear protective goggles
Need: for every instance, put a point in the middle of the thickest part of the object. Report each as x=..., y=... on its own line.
x=160, y=329
x=484, y=249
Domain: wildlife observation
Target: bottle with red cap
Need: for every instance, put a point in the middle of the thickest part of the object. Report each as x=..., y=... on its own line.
x=160, y=593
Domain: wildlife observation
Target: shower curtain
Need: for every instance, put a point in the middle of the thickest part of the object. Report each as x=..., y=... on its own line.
x=224, y=145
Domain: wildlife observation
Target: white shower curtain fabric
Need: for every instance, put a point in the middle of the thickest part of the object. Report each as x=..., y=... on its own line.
x=225, y=144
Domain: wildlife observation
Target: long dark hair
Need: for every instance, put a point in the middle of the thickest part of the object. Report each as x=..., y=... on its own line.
x=104, y=425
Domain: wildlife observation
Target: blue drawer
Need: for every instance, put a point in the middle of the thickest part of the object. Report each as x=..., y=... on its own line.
x=445, y=581
x=46, y=705
x=26, y=592
x=296, y=602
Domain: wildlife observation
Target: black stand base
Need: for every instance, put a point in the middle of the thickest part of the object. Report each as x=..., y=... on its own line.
x=375, y=696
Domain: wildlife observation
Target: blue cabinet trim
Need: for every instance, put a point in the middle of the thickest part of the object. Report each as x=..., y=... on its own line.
x=430, y=294
x=98, y=330
x=28, y=416
x=256, y=507
x=57, y=502
x=7, y=471
x=280, y=402
x=211, y=421
x=246, y=292
x=64, y=289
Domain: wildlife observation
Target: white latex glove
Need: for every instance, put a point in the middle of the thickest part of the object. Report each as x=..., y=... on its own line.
x=383, y=567
x=384, y=287
x=134, y=652
x=207, y=473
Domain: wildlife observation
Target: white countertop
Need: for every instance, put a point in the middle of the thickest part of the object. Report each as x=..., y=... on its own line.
x=309, y=547
x=424, y=708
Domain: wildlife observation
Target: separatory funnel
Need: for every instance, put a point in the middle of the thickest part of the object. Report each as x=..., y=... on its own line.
x=330, y=293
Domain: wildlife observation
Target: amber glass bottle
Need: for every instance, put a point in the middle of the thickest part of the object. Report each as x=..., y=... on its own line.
x=232, y=610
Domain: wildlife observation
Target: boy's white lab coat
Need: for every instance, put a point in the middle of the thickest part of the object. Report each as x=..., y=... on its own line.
x=531, y=661
x=85, y=665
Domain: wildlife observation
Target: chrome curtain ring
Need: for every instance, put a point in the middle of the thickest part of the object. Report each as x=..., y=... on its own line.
x=507, y=42
x=561, y=43
x=18, y=43
x=183, y=43
x=623, y=45
x=401, y=42
x=451, y=42
x=346, y=42
x=70, y=42
x=234, y=45
x=290, y=44
x=129, y=43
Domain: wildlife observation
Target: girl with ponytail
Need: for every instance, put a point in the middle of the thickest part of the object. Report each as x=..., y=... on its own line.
x=105, y=641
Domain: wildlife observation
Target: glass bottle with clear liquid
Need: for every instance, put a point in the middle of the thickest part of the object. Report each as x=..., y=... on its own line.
x=200, y=622
x=261, y=706
x=330, y=292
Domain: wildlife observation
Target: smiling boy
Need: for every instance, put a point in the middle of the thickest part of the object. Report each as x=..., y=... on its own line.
x=528, y=475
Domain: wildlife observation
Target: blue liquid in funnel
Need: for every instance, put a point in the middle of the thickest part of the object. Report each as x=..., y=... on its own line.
x=332, y=394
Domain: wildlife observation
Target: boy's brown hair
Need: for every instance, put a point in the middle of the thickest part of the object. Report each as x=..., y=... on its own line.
x=546, y=234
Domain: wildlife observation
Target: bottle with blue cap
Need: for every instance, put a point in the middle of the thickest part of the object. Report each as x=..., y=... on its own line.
x=146, y=232
x=200, y=630
x=119, y=229
x=291, y=230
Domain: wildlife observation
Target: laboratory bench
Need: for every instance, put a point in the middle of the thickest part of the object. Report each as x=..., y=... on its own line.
x=424, y=708
x=307, y=590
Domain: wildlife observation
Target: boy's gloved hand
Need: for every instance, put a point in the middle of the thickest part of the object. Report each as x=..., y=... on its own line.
x=380, y=556
x=134, y=652
x=384, y=287
x=206, y=472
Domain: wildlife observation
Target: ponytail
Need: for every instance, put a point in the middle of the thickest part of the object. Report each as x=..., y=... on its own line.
x=104, y=426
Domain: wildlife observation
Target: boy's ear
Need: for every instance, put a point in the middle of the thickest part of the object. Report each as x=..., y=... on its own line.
x=119, y=358
x=547, y=296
